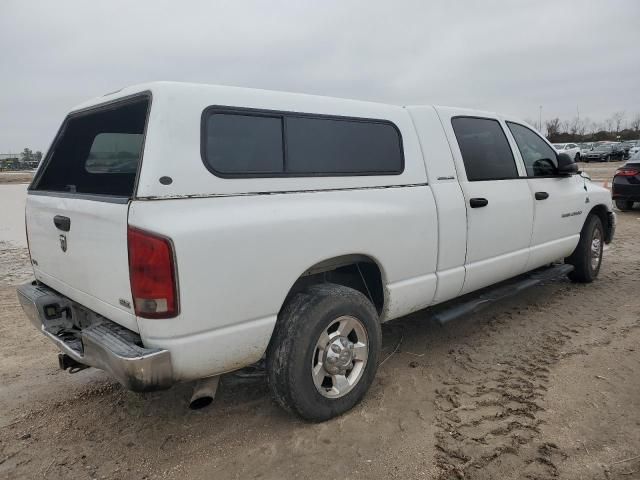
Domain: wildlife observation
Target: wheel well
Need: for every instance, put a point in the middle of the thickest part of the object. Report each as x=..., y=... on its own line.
x=359, y=272
x=603, y=213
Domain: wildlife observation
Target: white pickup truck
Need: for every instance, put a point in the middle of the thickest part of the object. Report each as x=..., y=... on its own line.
x=178, y=232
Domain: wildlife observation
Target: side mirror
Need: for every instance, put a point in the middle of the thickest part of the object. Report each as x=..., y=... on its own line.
x=566, y=165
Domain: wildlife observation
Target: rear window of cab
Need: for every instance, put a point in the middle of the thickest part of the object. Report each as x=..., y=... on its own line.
x=263, y=143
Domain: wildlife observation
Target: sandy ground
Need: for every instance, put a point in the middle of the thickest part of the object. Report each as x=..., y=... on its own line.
x=544, y=385
x=15, y=177
x=12, y=200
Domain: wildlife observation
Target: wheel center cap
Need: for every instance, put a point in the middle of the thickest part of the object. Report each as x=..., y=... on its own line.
x=338, y=356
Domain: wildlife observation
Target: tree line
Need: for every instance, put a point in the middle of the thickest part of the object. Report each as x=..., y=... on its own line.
x=29, y=156
x=618, y=127
x=28, y=159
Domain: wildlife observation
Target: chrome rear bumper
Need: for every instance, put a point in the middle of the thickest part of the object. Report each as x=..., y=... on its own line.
x=103, y=344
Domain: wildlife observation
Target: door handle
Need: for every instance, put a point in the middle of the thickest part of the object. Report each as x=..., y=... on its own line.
x=542, y=195
x=62, y=223
x=478, y=202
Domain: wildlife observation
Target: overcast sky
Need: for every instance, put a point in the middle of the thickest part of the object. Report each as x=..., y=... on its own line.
x=510, y=56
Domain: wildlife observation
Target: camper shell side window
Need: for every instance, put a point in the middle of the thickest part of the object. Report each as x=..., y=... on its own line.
x=245, y=143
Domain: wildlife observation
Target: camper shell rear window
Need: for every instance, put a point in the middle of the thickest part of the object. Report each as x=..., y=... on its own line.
x=98, y=151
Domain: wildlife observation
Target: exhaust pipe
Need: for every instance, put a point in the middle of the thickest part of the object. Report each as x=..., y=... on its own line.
x=204, y=392
x=65, y=362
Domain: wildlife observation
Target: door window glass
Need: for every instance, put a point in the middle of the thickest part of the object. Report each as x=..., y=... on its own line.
x=485, y=150
x=539, y=158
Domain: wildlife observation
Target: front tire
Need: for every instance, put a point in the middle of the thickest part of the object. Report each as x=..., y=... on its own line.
x=324, y=352
x=587, y=257
x=624, y=205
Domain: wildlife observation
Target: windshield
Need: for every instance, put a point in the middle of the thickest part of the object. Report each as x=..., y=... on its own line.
x=604, y=147
x=559, y=146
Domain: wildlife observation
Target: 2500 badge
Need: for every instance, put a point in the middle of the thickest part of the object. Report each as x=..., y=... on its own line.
x=571, y=214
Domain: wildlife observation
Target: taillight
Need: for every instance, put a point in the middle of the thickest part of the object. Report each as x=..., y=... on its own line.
x=153, y=275
x=627, y=172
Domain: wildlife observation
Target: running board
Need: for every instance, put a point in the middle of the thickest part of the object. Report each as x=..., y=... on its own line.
x=503, y=290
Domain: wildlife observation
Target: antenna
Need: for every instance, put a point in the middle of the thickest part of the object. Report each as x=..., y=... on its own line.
x=540, y=119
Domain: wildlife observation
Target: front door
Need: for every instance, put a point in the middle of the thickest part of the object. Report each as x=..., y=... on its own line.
x=560, y=201
x=498, y=199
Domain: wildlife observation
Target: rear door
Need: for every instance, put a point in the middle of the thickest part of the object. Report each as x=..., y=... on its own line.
x=560, y=201
x=498, y=200
x=77, y=207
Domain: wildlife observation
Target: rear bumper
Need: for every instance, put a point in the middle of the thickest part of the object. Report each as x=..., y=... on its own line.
x=103, y=344
x=622, y=190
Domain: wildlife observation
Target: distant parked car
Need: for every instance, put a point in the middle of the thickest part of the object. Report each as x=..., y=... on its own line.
x=634, y=150
x=604, y=153
x=619, y=148
x=627, y=146
x=625, y=188
x=570, y=149
x=585, y=148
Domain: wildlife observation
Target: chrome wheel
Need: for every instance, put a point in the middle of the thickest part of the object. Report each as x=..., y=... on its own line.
x=596, y=249
x=340, y=357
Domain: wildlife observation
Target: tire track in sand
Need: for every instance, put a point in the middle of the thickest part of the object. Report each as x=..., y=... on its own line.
x=490, y=404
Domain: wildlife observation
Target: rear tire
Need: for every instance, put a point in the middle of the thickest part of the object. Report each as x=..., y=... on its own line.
x=624, y=205
x=324, y=351
x=587, y=257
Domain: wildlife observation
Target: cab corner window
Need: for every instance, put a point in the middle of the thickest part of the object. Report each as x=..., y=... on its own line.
x=539, y=158
x=485, y=150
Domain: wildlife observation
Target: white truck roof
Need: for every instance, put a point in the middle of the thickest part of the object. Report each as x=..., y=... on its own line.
x=208, y=90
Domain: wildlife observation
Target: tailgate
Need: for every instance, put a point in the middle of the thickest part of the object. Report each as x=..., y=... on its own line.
x=89, y=262
x=78, y=205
